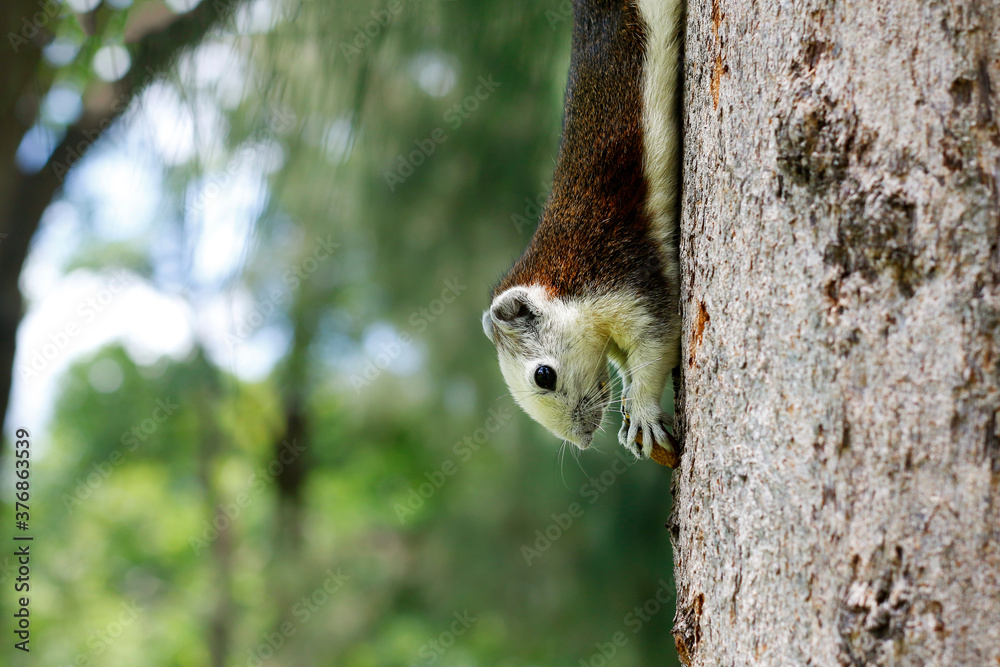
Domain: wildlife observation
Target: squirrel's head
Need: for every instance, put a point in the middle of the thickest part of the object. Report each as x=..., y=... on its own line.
x=554, y=360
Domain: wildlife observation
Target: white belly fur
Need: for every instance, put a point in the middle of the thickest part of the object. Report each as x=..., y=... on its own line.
x=661, y=126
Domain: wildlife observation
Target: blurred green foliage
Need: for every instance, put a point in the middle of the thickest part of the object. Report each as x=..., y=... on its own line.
x=162, y=534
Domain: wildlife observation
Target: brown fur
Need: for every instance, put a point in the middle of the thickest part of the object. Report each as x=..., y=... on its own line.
x=593, y=236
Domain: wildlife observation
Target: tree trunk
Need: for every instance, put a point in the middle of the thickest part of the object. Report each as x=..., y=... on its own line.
x=838, y=501
x=24, y=197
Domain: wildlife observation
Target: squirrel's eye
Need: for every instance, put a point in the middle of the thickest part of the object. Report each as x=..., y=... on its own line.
x=545, y=377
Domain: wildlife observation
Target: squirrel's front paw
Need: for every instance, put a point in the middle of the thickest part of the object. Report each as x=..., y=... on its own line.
x=641, y=430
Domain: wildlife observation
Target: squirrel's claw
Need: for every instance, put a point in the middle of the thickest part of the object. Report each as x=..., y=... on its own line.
x=638, y=435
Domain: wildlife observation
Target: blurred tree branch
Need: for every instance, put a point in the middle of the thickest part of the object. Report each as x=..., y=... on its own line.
x=24, y=197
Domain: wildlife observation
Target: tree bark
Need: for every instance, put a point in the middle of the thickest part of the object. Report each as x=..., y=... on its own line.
x=838, y=501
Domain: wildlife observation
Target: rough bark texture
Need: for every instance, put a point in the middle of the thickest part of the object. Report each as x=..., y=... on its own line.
x=839, y=496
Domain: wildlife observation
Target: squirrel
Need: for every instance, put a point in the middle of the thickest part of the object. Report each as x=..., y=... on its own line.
x=599, y=281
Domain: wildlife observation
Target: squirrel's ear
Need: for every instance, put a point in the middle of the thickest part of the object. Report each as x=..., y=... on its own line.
x=488, y=325
x=513, y=309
